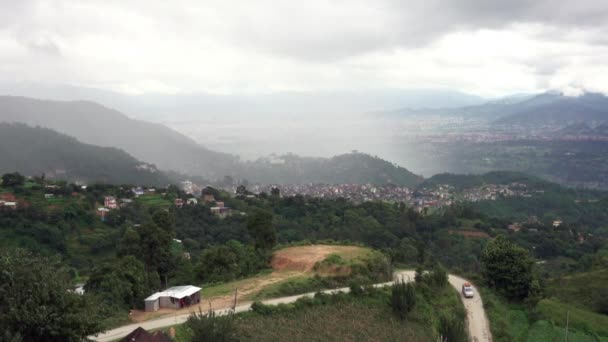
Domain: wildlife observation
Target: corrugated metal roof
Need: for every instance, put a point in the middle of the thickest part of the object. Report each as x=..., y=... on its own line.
x=175, y=292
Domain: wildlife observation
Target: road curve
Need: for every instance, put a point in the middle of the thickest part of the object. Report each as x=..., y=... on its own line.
x=477, y=321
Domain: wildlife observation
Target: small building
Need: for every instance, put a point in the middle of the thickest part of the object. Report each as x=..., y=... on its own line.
x=110, y=202
x=49, y=196
x=137, y=191
x=12, y=205
x=179, y=202
x=192, y=201
x=102, y=212
x=208, y=198
x=175, y=297
x=515, y=227
x=221, y=212
x=557, y=223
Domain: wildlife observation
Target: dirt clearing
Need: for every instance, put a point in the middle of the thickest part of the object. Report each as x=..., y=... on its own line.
x=304, y=258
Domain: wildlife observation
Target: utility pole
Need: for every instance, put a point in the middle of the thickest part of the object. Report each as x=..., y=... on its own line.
x=234, y=305
x=567, y=321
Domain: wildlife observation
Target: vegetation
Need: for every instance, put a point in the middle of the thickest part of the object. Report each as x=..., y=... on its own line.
x=209, y=327
x=36, y=304
x=132, y=253
x=330, y=318
x=507, y=268
x=38, y=151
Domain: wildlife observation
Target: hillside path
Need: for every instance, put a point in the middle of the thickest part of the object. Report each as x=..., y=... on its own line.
x=477, y=322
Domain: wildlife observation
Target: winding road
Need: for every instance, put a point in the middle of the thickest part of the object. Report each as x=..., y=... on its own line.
x=477, y=322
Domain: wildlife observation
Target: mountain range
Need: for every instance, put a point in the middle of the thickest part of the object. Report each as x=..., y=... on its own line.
x=162, y=147
x=38, y=151
x=550, y=108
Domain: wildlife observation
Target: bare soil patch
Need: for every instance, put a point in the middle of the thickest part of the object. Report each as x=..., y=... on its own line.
x=304, y=258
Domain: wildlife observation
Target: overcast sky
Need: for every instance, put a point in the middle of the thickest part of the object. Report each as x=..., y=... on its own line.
x=485, y=47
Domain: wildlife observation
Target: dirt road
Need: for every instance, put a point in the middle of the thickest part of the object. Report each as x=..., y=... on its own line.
x=477, y=321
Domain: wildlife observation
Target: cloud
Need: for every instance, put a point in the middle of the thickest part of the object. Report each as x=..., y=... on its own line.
x=490, y=47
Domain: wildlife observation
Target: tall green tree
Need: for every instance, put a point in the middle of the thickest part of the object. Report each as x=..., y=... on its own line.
x=262, y=230
x=12, y=179
x=507, y=268
x=121, y=284
x=36, y=304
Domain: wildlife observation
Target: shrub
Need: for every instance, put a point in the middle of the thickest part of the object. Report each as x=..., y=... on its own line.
x=452, y=329
x=261, y=308
x=403, y=298
x=207, y=327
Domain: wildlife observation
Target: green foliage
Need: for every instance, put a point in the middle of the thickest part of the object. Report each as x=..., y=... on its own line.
x=452, y=329
x=230, y=261
x=36, y=304
x=11, y=180
x=209, y=327
x=507, y=268
x=123, y=284
x=403, y=299
x=34, y=149
x=580, y=319
x=588, y=290
x=260, y=226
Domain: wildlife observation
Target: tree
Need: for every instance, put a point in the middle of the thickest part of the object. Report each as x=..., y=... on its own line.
x=507, y=268
x=10, y=180
x=36, y=304
x=242, y=190
x=260, y=226
x=275, y=192
x=164, y=220
x=452, y=329
x=155, y=248
x=121, y=284
x=403, y=298
x=208, y=327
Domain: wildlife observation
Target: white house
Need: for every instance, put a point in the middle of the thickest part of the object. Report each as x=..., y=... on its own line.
x=174, y=298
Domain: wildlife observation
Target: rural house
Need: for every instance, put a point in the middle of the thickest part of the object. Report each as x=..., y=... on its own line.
x=110, y=202
x=175, y=297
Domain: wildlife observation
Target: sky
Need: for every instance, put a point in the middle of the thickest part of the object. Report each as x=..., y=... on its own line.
x=482, y=47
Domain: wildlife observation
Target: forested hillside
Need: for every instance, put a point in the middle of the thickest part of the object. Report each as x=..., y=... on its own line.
x=170, y=151
x=37, y=151
x=351, y=168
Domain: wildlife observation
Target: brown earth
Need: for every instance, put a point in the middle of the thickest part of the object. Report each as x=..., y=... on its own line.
x=304, y=258
x=286, y=263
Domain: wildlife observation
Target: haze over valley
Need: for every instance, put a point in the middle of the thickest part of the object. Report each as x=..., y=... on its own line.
x=280, y=170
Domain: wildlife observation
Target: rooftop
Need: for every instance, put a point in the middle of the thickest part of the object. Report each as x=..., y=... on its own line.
x=176, y=292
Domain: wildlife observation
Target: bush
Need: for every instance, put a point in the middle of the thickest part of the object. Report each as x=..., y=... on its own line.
x=208, y=327
x=261, y=308
x=452, y=329
x=403, y=298
x=356, y=289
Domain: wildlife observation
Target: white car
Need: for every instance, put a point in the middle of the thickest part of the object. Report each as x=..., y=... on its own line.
x=467, y=290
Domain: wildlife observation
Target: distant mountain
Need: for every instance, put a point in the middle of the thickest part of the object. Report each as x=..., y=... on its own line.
x=461, y=181
x=351, y=168
x=36, y=151
x=549, y=108
x=95, y=124
x=556, y=109
x=187, y=107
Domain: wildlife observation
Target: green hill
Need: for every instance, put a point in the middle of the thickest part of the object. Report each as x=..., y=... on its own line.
x=351, y=168
x=35, y=151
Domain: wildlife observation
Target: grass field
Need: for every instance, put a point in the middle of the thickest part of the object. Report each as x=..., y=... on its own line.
x=346, y=317
x=514, y=322
x=154, y=201
x=584, y=290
